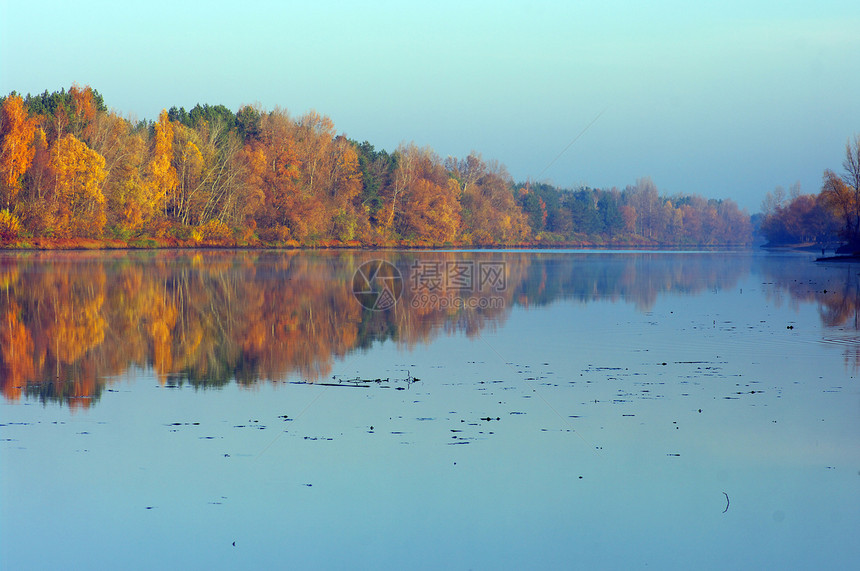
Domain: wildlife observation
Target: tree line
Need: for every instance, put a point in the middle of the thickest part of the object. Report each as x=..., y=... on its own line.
x=71, y=171
x=828, y=217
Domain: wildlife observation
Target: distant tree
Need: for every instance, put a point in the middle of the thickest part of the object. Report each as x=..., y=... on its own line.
x=841, y=199
x=429, y=200
x=179, y=115
x=560, y=221
x=644, y=198
x=773, y=201
x=851, y=177
x=584, y=214
x=82, y=112
x=66, y=111
x=670, y=223
x=248, y=122
x=692, y=212
x=491, y=214
x=534, y=208
x=629, y=217
x=735, y=226
x=541, y=203
x=807, y=218
x=205, y=113
x=610, y=213
x=377, y=172
x=275, y=150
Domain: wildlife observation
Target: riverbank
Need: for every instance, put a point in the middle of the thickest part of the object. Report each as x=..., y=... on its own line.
x=840, y=258
x=172, y=243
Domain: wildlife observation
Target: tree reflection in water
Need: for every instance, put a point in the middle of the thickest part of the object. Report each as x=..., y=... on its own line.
x=834, y=287
x=74, y=321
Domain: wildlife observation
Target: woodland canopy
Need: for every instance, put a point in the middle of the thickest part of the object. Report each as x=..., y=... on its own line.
x=73, y=173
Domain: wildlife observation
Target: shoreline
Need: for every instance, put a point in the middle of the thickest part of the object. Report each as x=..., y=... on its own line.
x=840, y=258
x=113, y=246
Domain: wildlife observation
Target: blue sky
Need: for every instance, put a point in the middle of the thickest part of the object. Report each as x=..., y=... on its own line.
x=724, y=99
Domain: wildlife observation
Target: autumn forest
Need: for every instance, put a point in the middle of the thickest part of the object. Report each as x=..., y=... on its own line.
x=830, y=217
x=75, y=174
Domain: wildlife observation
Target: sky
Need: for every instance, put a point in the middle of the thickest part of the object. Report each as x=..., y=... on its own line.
x=724, y=99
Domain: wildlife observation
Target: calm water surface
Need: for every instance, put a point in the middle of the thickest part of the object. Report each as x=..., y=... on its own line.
x=231, y=410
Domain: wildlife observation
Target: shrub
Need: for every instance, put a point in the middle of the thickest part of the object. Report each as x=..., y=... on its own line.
x=10, y=226
x=343, y=226
x=216, y=231
x=275, y=235
x=120, y=232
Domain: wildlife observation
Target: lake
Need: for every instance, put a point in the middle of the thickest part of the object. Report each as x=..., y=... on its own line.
x=421, y=409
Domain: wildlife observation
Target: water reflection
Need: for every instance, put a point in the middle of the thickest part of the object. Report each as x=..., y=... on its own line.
x=72, y=322
x=833, y=287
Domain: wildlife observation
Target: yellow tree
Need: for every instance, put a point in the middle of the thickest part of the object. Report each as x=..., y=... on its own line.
x=344, y=187
x=312, y=141
x=274, y=168
x=125, y=152
x=344, y=177
x=184, y=202
x=16, y=146
x=433, y=211
x=225, y=197
x=628, y=216
x=286, y=213
x=429, y=198
x=313, y=134
x=842, y=201
x=161, y=173
x=34, y=205
x=404, y=175
x=83, y=112
x=491, y=214
x=38, y=177
x=79, y=201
